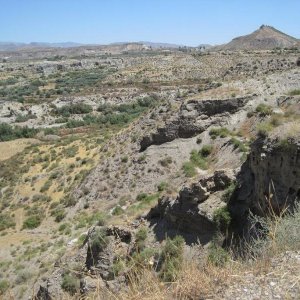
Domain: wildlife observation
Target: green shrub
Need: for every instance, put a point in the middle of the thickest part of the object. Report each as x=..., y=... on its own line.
x=162, y=186
x=58, y=213
x=141, y=237
x=221, y=132
x=8, y=81
x=206, y=150
x=6, y=221
x=286, y=229
x=77, y=108
x=142, y=158
x=4, y=286
x=237, y=144
x=23, y=277
x=140, y=260
x=199, y=140
x=99, y=239
x=198, y=160
x=46, y=186
x=294, y=92
x=118, y=267
x=81, y=239
x=70, y=151
x=70, y=284
x=264, y=110
x=145, y=198
x=189, y=169
x=83, y=219
x=117, y=211
x=21, y=118
x=100, y=218
x=65, y=228
x=141, y=196
x=41, y=198
x=228, y=192
x=263, y=129
x=8, y=132
x=285, y=144
x=250, y=114
x=124, y=159
x=217, y=255
x=276, y=234
x=172, y=258
x=276, y=120
x=32, y=222
x=222, y=218
x=69, y=201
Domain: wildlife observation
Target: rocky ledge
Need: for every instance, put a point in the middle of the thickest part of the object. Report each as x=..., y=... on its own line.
x=194, y=117
x=191, y=213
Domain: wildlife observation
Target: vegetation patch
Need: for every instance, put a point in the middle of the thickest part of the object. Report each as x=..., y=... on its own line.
x=218, y=256
x=6, y=221
x=197, y=160
x=32, y=222
x=172, y=258
x=8, y=132
x=237, y=144
x=219, y=132
x=140, y=238
x=222, y=218
x=264, y=110
x=4, y=286
x=228, y=192
x=70, y=283
x=295, y=92
x=117, y=211
x=72, y=109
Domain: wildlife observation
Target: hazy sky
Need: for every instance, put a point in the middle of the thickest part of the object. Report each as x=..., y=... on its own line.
x=189, y=22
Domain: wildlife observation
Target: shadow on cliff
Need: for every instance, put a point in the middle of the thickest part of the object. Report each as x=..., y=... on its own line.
x=162, y=229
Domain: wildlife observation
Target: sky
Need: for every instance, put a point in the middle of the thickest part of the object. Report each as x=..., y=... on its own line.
x=185, y=22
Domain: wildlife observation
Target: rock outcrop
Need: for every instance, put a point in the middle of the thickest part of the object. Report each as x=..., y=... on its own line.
x=194, y=117
x=269, y=180
x=191, y=213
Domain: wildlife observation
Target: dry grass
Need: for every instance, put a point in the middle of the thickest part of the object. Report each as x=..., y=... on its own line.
x=193, y=283
x=11, y=148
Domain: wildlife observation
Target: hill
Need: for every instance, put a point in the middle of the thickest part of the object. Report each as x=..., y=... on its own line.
x=264, y=38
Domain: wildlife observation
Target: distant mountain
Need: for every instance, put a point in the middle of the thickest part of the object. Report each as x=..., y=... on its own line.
x=150, y=44
x=160, y=45
x=264, y=38
x=11, y=46
x=55, y=45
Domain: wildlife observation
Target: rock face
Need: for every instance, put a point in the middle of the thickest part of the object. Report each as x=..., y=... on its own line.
x=266, y=37
x=193, y=118
x=269, y=178
x=191, y=213
x=51, y=287
x=104, y=244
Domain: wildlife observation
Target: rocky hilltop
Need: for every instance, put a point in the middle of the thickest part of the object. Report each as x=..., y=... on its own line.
x=264, y=38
